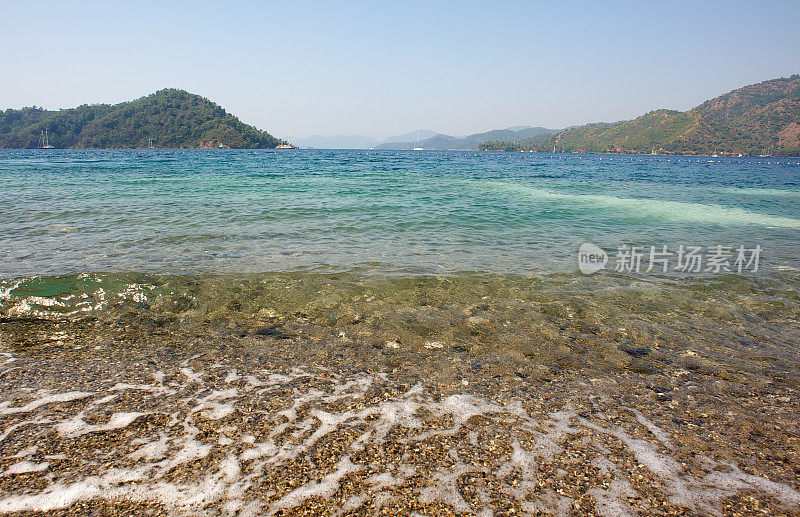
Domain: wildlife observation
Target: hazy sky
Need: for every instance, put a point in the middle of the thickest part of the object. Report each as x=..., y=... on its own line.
x=383, y=68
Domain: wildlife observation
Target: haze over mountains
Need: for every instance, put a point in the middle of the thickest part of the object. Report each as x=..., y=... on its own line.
x=360, y=141
x=759, y=119
x=424, y=138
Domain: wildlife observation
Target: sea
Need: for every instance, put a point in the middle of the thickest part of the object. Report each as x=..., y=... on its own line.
x=262, y=332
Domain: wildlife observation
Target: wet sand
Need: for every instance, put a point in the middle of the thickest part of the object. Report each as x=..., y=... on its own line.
x=448, y=396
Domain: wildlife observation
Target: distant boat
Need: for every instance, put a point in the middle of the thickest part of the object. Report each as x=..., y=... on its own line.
x=287, y=145
x=223, y=146
x=715, y=152
x=150, y=143
x=653, y=151
x=44, y=141
x=417, y=145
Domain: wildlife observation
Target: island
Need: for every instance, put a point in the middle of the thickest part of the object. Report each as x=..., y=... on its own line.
x=169, y=119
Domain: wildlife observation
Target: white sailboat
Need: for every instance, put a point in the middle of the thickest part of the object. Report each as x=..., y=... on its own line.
x=45, y=140
x=418, y=145
x=287, y=145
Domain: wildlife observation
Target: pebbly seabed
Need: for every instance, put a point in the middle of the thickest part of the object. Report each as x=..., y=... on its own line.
x=350, y=394
x=421, y=344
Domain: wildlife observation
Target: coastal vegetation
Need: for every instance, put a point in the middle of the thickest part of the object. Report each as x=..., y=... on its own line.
x=759, y=119
x=168, y=118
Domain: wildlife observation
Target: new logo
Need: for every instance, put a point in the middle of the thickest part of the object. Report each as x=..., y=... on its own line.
x=591, y=258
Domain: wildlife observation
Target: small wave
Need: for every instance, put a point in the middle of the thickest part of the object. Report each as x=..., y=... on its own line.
x=645, y=207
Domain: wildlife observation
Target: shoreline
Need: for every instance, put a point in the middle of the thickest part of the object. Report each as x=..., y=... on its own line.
x=299, y=394
x=404, y=151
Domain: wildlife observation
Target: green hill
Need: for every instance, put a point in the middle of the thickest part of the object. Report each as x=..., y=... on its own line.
x=762, y=118
x=170, y=118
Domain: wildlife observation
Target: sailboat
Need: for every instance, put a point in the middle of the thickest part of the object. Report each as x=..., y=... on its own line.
x=715, y=152
x=417, y=145
x=44, y=141
x=287, y=145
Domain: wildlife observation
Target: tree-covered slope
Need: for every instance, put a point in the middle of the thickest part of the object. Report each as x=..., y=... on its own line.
x=169, y=118
x=762, y=118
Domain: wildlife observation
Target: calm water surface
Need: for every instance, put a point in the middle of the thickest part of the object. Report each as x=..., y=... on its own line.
x=66, y=212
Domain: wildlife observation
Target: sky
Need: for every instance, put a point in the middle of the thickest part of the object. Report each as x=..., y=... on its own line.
x=385, y=68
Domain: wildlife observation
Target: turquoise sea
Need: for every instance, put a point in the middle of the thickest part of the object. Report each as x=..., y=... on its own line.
x=315, y=332
x=223, y=211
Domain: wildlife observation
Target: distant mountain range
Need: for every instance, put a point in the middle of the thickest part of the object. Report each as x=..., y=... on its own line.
x=336, y=142
x=759, y=119
x=359, y=141
x=169, y=118
x=411, y=136
x=423, y=138
x=471, y=142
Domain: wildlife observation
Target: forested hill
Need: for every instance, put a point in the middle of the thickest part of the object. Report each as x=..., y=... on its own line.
x=758, y=119
x=169, y=118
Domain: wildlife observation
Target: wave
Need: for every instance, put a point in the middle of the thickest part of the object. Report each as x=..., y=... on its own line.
x=647, y=207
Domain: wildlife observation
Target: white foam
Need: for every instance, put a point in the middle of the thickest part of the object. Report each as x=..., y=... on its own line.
x=654, y=429
x=77, y=427
x=671, y=210
x=324, y=488
x=5, y=292
x=158, y=390
x=192, y=376
x=237, y=461
x=706, y=494
x=24, y=467
x=13, y=427
x=612, y=501
x=151, y=451
x=444, y=488
x=50, y=399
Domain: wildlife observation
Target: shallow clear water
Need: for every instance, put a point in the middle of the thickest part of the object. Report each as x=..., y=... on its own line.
x=212, y=332
x=189, y=212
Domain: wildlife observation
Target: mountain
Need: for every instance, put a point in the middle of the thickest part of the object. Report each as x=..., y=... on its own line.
x=411, y=136
x=364, y=142
x=170, y=118
x=758, y=119
x=336, y=142
x=471, y=142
